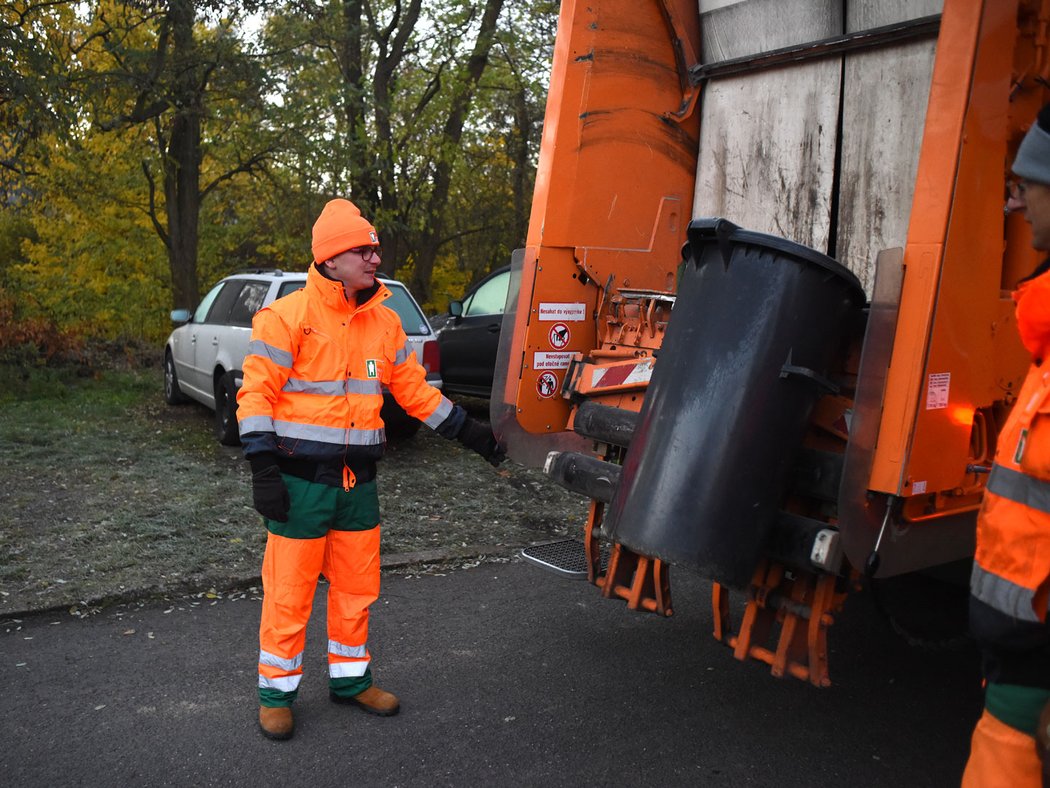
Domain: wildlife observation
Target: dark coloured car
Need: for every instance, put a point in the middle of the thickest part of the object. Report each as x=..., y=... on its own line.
x=469, y=337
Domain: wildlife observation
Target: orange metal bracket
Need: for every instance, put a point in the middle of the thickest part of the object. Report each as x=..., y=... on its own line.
x=643, y=582
x=801, y=604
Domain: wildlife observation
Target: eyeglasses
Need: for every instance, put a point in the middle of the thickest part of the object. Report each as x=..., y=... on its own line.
x=1015, y=190
x=368, y=253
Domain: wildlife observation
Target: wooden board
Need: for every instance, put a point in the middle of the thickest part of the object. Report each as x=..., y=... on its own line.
x=767, y=140
x=731, y=30
x=865, y=14
x=884, y=113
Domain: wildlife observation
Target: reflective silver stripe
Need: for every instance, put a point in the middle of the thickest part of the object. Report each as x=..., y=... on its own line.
x=294, y=663
x=313, y=432
x=342, y=650
x=354, y=386
x=333, y=388
x=282, y=358
x=443, y=409
x=256, y=424
x=1020, y=488
x=282, y=684
x=1003, y=595
x=342, y=670
x=402, y=355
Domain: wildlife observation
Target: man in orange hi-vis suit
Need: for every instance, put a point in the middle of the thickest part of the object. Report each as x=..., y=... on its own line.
x=309, y=421
x=1010, y=586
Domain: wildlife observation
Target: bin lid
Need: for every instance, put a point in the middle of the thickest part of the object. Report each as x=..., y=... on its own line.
x=723, y=232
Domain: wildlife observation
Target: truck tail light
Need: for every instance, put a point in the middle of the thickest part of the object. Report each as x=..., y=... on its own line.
x=431, y=357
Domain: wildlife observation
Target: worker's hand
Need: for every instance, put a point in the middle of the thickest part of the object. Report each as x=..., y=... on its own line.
x=478, y=437
x=269, y=493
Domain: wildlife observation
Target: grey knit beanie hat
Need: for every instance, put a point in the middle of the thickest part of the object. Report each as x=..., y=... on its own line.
x=1033, y=156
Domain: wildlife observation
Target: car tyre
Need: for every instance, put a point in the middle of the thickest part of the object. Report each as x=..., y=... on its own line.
x=172, y=393
x=226, y=429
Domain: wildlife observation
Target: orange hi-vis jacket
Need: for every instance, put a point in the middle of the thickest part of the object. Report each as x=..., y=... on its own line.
x=1011, y=572
x=315, y=372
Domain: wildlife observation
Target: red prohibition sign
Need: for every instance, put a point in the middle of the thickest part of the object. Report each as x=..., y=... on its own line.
x=547, y=385
x=559, y=336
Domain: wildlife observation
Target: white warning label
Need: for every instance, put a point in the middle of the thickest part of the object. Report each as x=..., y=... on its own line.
x=552, y=311
x=551, y=360
x=937, y=388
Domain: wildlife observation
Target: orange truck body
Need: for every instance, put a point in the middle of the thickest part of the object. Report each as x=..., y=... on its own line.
x=883, y=140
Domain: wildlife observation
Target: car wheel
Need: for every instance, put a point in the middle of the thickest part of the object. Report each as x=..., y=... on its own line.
x=172, y=393
x=226, y=411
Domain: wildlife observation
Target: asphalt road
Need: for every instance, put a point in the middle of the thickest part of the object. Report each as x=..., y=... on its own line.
x=505, y=673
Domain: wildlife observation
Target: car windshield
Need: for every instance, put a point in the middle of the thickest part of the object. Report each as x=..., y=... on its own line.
x=412, y=320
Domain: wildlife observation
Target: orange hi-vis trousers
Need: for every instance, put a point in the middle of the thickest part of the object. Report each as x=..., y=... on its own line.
x=1001, y=757
x=331, y=532
x=1004, y=752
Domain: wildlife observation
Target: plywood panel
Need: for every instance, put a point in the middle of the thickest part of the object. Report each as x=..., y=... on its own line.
x=884, y=112
x=753, y=26
x=767, y=151
x=864, y=14
x=767, y=139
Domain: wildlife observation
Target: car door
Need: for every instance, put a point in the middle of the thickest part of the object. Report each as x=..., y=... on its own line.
x=470, y=342
x=236, y=332
x=208, y=335
x=185, y=339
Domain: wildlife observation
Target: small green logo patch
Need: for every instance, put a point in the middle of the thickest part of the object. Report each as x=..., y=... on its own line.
x=1020, y=446
x=372, y=368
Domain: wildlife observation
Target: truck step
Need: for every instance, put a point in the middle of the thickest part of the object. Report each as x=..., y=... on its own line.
x=566, y=557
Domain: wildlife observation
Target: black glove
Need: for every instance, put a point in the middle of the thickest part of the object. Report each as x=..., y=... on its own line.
x=269, y=493
x=478, y=437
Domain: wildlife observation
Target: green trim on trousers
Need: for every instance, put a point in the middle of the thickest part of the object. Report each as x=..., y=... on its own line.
x=317, y=509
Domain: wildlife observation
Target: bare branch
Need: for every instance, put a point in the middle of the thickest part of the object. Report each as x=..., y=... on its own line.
x=248, y=166
x=153, y=206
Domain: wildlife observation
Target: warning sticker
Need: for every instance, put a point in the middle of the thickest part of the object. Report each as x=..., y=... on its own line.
x=937, y=390
x=547, y=385
x=622, y=374
x=551, y=360
x=918, y=487
x=559, y=336
x=569, y=312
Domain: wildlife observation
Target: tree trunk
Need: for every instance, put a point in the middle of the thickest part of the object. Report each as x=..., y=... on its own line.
x=520, y=140
x=182, y=164
x=432, y=236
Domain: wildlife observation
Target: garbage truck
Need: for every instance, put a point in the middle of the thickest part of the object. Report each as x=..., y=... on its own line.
x=762, y=319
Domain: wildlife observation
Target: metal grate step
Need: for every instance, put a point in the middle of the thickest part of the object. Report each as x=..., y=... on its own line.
x=567, y=557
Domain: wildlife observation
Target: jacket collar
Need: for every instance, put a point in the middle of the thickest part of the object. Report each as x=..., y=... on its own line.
x=331, y=291
x=1032, y=297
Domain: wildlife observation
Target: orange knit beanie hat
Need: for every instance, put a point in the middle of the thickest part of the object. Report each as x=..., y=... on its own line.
x=340, y=227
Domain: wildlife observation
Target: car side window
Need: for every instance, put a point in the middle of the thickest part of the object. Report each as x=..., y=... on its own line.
x=290, y=287
x=205, y=305
x=489, y=299
x=220, y=309
x=248, y=301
